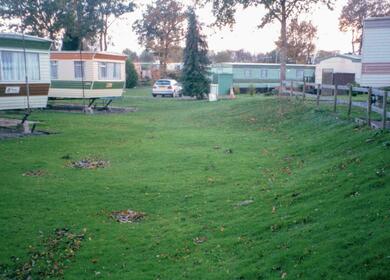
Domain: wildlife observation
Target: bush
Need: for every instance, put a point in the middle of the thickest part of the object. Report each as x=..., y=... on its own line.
x=252, y=90
x=237, y=90
x=131, y=74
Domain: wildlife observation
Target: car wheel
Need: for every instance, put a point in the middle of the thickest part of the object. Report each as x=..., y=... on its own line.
x=154, y=95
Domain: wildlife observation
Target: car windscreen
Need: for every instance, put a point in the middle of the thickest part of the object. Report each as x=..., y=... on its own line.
x=163, y=83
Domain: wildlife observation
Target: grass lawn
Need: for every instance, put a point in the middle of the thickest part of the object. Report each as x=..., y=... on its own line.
x=320, y=189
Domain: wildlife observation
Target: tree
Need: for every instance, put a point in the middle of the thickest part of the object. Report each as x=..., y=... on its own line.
x=195, y=80
x=73, y=21
x=161, y=29
x=175, y=54
x=242, y=56
x=107, y=9
x=146, y=56
x=130, y=54
x=81, y=24
x=279, y=10
x=44, y=18
x=131, y=74
x=353, y=15
x=324, y=54
x=222, y=56
x=300, y=41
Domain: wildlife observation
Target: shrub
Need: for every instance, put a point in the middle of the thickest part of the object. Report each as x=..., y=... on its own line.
x=252, y=90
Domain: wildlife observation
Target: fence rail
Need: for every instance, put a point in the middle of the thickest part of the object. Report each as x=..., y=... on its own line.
x=376, y=98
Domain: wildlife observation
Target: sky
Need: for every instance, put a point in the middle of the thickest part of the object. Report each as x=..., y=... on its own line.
x=245, y=34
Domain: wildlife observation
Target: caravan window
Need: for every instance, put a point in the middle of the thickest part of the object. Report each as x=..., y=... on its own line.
x=102, y=70
x=247, y=73
x=300, y=74
x=263, y=73
x=117, y=71
x=54, y=69
x=79, y=69
x=12, y=66
x=109, y=71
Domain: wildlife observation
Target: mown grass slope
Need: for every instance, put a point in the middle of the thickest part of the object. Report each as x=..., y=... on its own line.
x=319, y=186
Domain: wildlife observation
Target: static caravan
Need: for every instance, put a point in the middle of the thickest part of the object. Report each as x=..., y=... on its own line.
x=340, y=69
x=87, y=75
x=376, y=52
x=17, y=53
x=257, y=75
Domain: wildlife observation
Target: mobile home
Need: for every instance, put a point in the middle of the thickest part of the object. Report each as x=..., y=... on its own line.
x=17, y=53
x=257, y=75
x=87, y=75
x=341, y=69
x=376, y=52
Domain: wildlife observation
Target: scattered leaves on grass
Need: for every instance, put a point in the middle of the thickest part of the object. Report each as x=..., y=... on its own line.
x=380, y=172
x=67, y=156
x=200, y=239
x=127, y=216
x=35, y=173
x=48, y=260
x=245, y=202
x=217, y=147
x=252, y=120
x=295, y=194
x=228, y=151
x=284, y=275
x=90, y=164
x=352, y=194
x=287, y=170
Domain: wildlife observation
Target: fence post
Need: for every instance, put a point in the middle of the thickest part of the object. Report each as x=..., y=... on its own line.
x=384, y=116
x=350, y=101
x=304, y=90
x=292, y=89
x=369, y=104
x=318, y=94
x=335, y=93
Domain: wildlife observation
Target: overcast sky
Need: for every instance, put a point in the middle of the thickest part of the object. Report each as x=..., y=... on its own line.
x=245, y=34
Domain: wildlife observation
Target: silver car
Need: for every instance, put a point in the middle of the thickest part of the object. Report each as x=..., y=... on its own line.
x=167, y=87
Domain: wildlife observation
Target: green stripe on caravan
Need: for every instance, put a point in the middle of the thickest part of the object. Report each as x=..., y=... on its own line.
x=71, y=84
x=108, y=85
x=87, y=85
x=14, y=43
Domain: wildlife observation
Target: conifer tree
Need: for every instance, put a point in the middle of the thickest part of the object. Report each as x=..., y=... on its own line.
x=195, y=71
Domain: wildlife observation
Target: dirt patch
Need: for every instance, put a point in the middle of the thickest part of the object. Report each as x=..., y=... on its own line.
x=127, y=216
x=76, y=108
x=47, y=260
x=90, y=164
x=35, y=173
x=9, y=133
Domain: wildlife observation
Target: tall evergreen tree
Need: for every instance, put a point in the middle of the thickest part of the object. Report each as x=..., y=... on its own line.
x=195, y=74
x=131, y=74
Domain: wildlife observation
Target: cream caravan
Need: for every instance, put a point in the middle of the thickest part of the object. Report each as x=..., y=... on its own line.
x=18, y=53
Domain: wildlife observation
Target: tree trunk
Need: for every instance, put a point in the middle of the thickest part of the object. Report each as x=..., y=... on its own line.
x=163, y=65
x=101, y=41
x=353, y=41
x=360, y=44
x=105, y=34
x=283, y=51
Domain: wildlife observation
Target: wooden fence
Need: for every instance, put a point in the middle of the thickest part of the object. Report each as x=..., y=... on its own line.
x=376, y=98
